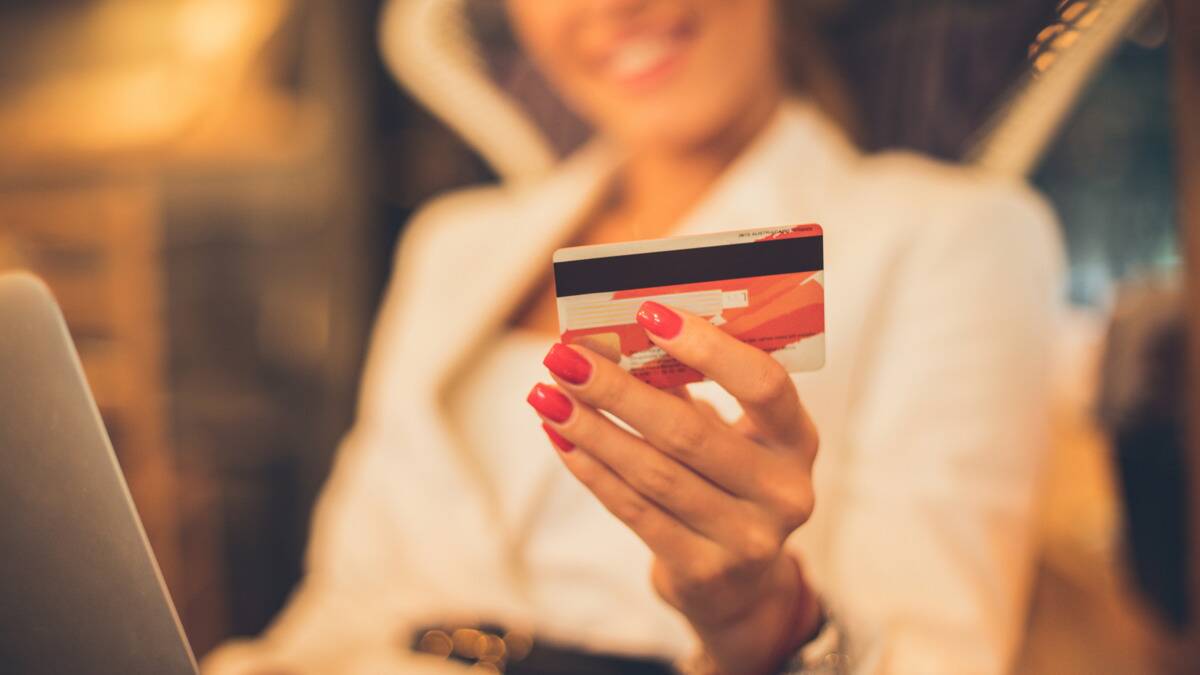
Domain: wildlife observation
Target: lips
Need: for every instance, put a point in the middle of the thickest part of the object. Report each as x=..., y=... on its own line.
x=642, y=55
x=646, y=56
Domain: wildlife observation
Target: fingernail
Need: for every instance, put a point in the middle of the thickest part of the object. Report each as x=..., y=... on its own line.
x=659, y=319
x=557, y=439
x=567, y=364
x=550, y=402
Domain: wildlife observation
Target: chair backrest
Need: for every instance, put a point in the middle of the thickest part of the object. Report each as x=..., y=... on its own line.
x=429, y=48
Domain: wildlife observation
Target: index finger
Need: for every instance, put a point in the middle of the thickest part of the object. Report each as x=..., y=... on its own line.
x=752, y=376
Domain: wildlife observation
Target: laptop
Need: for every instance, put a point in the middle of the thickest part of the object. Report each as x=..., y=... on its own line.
x=80, y=591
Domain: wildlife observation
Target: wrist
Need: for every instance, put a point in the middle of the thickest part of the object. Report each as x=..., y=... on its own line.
x=786, y=615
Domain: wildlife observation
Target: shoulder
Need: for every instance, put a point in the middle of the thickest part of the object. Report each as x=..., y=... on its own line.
x=453, y=216
x=906, y=201
x=943, y=208
x=436, y=243
x=915, y=183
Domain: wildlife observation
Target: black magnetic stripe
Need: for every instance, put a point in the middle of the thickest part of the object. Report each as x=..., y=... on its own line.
x=688, y=266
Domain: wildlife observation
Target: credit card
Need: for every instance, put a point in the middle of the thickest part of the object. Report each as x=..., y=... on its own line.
x=763, y=286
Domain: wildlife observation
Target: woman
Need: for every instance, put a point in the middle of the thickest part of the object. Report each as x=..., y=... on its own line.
x=914, y=526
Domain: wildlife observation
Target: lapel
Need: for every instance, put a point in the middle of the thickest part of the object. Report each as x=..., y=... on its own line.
x=425, y=343
x=511, y=254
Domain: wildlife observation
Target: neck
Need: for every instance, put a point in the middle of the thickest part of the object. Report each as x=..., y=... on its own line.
x=661, y=184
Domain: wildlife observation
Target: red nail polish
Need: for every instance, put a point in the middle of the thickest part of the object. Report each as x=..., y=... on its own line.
x=550, y=402
x=659, y=319
x=557, y=439
x=567, y=364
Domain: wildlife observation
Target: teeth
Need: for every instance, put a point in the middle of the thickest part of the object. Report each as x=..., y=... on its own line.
x=638, y=56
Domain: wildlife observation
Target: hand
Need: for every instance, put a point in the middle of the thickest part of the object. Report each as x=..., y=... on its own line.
x=713, y=501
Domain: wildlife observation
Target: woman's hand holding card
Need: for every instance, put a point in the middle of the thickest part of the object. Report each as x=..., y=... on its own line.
x=714, y=501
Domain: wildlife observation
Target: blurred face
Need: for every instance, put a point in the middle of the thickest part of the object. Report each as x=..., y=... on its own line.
x=675, y=73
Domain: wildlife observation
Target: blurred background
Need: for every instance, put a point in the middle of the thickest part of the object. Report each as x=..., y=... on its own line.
x=214, y=187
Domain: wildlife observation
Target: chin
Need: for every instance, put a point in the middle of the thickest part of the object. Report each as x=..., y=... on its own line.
x=669, y=126
x=679, y=136
x=673, y=140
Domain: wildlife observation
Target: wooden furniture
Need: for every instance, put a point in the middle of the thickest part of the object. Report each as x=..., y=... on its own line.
x=96, y=243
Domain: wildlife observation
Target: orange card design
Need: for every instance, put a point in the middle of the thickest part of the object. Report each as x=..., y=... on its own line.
x=763, y=286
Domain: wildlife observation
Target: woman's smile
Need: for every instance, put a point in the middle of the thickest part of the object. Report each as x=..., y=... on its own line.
x=642, y=60
x=667, y=76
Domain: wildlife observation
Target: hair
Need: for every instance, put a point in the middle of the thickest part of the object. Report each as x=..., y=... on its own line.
x=810, y=68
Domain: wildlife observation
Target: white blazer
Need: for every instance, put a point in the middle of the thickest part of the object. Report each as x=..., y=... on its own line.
x=942, y=293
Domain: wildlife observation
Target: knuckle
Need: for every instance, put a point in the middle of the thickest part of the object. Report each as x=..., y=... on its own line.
x=795, y=507
x=686, y=433
x=812, y=439
x=704, y=350
x=631, y=510
x=664, y=585
x=658, y=480
x=586, y=473
x=605, y=391
x=760, y=546
x=771, y=384
x=704, y=574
